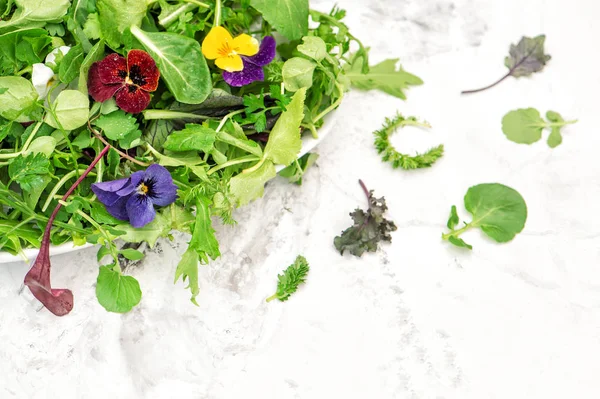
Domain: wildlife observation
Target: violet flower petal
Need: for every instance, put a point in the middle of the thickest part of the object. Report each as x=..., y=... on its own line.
x=162, y=190
x=135, y=180
x=140, y=210
x=107, y=192
x=250, y=73
x=265, y=54
x=119, y=209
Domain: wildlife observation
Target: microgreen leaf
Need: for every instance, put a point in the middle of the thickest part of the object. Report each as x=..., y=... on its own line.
x=313, y=47
x=19, y=100
x=298, y=73
x=525, y=126
x=453, y=220
x=115, y=292
x=291, y=279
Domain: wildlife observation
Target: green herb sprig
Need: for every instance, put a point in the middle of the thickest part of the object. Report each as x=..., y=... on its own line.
x=291, y=279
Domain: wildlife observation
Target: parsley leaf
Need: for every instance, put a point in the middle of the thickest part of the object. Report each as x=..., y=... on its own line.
x=291, y=279
x=369, y=229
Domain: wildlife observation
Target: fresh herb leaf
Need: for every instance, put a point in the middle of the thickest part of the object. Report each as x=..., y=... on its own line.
x=313, y=47
x=499, y=211
x=115, y=16
x=71, y=110
x=290, y=17
x=115, y=292
x=28, y=170
x=291, y=279
x=70, y=65
x=369, y=228
x=526, y=58
x=298, y=73
x=117, y=124
x=525, y=126
x=295, y=172
x=453, y=220
x=192, y=138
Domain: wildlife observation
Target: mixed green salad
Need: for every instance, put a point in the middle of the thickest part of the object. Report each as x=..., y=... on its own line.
x=124, y=120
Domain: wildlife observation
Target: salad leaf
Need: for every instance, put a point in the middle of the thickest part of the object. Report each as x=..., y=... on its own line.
x=41, y=145
x=499, y=211
x=18, y=99
x=298, y=73
x=290, y=17
x=192, y=138
x=115, y=16
x=70, y=65
x=95, y=54
x=295, y=172
x=453, y=220
x=248, y=186
x=525, y=126
x=117, y=125
x=13, y=44
x=115, y=292
x=35, y=13
x=383, y=76
x=28, y=170
x=291, y=279
x=313, y=47
x=150, y=233
x=71, y=109
x=369, y=228
x=525, y=59
x=181, y=64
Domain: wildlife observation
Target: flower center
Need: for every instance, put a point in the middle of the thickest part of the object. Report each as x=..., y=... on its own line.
x=135, y=76
x=227, y=51
x=143, y=189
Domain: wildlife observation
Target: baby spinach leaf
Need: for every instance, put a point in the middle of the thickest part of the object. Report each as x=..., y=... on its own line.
x=70, y=65
x=115, y=16
x=284, y=141
x=115, y=292
x=499, y=211
x=298, y=73
x=181, y=64
x=192, y=138
x=248, y=186
x=71, y=108
x=19, y=100
x=383, y=76
x=289, y=17
x=525, y=58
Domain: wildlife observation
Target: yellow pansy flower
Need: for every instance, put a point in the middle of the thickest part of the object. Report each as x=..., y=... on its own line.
x=220, y=46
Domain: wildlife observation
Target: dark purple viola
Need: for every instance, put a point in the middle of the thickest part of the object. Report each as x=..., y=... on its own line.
x=133, y=199
x=253, y=66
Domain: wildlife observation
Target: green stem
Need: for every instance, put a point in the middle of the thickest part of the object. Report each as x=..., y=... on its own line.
x=249, y=158
x=113, y=250
x=229, y=139
x=25, y=70
x=25, y=146
x=272, y=297
x=456, y=233
x=312, y=129
x=172, y=17
x=151, y=114
x=227, y=117
x=59, y=185
x=332, y=106
x=217, y=13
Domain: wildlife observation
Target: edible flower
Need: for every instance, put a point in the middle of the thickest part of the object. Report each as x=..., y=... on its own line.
x=129, y=80
x=42, y=75
x=253, y=66
x=220, y=46
x=132, y=199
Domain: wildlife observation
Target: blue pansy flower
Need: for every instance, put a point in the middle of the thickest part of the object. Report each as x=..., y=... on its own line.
x=132, y=199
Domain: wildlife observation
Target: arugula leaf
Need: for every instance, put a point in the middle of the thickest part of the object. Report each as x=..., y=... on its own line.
x=369, y=228
x=525, y=58
x=383, y=76
x=115, y=292
x=28, y=170
x=117, y=124
x=71, y=108
x=248, y=186
x=291, y=279
x=525, y=126
x=284, y=141
x=192, y=138
x=298, y=73
x=19, y=101
x=289, y=17
x=180, y=62
x=498, y=210
x=115, y=16
x=202, y=246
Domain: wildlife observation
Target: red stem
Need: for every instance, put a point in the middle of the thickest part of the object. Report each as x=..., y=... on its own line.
x=490, y=86
x=364, y=187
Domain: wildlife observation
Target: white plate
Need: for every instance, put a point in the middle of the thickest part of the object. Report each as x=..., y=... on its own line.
x=308, y=144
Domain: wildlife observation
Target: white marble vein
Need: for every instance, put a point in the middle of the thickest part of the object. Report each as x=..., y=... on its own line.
x=419, y=319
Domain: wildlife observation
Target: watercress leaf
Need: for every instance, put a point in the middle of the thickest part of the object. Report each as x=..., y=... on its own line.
x=19, y=100
x=71, y=108
x=28, y=170
x=95, y=54
x=70, y=65
x=313, y=47
x=115, y=16
x=383, y=76
x=117, y=124
x=298, y=73
x=44, y=145
x=527, y=56
x=35, y=13
x=192, y=138
x=284, y=141
x=459, y=242
x=131, y=254
x=523, y=126
x=181, y=63
x=291, y=279
x=453, y=220
x=248, y=186
x=498, y=210
x=115, y=292
x=289, y=17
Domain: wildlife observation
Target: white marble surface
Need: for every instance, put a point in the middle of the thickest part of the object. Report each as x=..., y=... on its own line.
x=418, y=319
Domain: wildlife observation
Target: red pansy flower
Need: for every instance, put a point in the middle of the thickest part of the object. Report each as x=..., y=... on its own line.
x=129, y=80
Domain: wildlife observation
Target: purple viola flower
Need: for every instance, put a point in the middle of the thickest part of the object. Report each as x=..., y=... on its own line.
x=253, y=66
x=133, y=198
